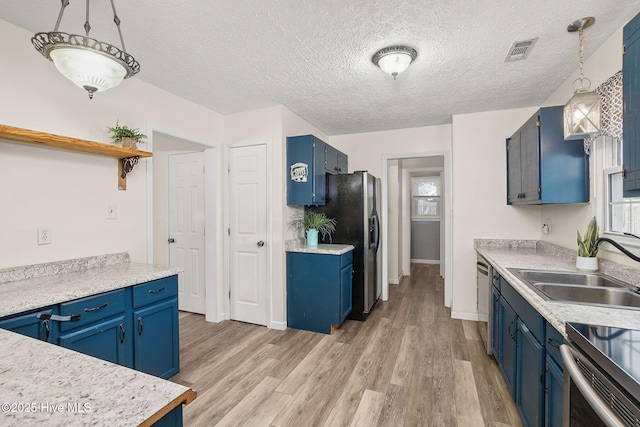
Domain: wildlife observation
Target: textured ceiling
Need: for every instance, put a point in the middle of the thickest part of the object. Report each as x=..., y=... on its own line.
x=314, y=56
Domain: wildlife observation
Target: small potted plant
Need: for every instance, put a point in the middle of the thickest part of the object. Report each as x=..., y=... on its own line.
x=313, y=223
x=126, y=136
x=587, y=248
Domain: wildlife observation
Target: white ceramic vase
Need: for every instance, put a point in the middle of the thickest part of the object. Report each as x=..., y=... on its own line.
x=584, y=263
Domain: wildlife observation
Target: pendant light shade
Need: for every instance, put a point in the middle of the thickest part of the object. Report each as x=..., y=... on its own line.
x=92, y=65
x=582, y=111
x=394, y=60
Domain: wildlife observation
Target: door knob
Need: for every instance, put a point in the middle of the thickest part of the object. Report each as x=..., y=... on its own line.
x=171, y=240
x=261, y=243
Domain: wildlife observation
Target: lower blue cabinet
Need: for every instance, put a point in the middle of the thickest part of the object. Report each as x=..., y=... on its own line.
x=30, y=325
x=554, y=381
x=508, y=344
x=104, y=340
x=530, y=377
x=155, y=339
x=319, y=290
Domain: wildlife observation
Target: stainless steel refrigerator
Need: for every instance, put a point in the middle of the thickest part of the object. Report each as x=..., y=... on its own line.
x=352, y=199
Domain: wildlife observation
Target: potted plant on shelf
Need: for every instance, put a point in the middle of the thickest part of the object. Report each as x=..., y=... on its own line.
x=313, y=223
x=126, y=136
x=587, y=248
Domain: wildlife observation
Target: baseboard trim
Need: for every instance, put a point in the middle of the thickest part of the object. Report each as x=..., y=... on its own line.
x=464, y=316
x=279, y=326
x=425, y=261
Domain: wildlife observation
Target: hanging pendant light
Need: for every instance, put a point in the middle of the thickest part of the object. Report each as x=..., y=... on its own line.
x=91, y=64
x=394, y=60
x=582, y=111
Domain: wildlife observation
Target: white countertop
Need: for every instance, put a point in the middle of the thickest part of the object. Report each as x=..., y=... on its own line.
x=43, y=384
x=549, y=257
x=325, y=249
x=32, y=293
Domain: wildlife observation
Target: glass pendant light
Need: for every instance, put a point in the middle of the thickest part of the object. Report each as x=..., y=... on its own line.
x=92, y=65
x=582, y=111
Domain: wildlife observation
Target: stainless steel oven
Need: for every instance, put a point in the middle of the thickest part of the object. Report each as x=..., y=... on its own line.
x=601, y=376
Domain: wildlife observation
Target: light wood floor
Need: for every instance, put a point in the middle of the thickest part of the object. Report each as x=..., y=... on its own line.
x=408, y=364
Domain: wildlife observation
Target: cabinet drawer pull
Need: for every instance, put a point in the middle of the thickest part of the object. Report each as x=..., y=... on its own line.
x=45, y=322
x=122, y=333
x=139, y=325
x=87, y=310
x=155, y=291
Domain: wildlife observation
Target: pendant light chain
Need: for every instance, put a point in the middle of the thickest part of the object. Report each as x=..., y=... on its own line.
x=65, y=3
x=581, y=55
x=117, y=22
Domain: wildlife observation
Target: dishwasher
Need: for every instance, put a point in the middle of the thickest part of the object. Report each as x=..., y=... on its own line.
x=484, y=275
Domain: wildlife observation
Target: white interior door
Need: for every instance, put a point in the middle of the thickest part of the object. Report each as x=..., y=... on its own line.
x=248, y=247
x=186, y=228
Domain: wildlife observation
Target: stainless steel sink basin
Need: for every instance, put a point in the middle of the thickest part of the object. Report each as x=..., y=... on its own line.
x=590, y=295
x=568, y=278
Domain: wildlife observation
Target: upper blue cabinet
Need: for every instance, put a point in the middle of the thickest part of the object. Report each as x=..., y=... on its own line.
x=631, y=106
x=309, y=159
x=543, y=168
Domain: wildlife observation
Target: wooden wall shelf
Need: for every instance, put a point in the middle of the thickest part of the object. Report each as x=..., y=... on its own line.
x=127, y=157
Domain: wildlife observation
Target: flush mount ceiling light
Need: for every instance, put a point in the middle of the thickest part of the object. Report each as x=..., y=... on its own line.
x=394, y=60
x=582, y=111
x=92, y=65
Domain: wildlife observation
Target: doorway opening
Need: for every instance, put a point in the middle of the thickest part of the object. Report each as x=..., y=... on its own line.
x=170, y=205
x=413, y=222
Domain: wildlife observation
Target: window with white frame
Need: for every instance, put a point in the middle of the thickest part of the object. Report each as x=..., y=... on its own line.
x=425, y=197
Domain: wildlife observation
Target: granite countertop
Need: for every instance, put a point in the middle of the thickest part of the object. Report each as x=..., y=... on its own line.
x=43, y=384
x=325, y=249
x=504, y=254
x=42, y=285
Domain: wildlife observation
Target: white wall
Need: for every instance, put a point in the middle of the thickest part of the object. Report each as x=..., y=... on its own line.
x=480, y=207
x=69, y=191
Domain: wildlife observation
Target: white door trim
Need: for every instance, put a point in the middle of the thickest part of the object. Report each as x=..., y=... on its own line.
x=223, y=302
x=447, y=213
x=213, y=207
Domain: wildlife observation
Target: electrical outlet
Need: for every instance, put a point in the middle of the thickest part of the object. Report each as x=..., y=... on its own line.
x=44, y=235
x=112, y=212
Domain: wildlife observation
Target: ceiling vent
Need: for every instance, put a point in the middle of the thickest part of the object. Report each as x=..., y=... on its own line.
x=520, y=50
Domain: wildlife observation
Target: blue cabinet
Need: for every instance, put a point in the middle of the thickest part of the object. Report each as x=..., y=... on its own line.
x=631, y=108
x=508, y=344
x=155, y=317
x=521, y=351
x=319, y=290
x=529, y=378
x=30, y=325
x=309, y=159
x=543, y=168
x=104, y=340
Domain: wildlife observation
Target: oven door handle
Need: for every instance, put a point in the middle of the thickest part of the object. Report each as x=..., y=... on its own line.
x=595, y=401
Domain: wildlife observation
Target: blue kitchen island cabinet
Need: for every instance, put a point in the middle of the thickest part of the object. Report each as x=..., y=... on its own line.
x=30, y=325
x=155, y=317
x=309, y=160
x=319, y=287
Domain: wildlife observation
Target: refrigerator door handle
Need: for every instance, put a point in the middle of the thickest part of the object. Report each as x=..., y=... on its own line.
x=377, y=219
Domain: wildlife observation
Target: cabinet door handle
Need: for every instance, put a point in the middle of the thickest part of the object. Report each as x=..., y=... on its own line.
x=155, y=291
x=87, y=310
x=513, y=336
x=122, y=333
x=550, y=342
x=139, y=325
x=47, y=330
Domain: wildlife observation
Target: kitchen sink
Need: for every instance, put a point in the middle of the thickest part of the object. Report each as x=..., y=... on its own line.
x=567, y=278
x=590, y=295
x=580, y=287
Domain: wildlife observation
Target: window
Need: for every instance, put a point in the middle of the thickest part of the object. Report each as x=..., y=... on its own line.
x=425, y=197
